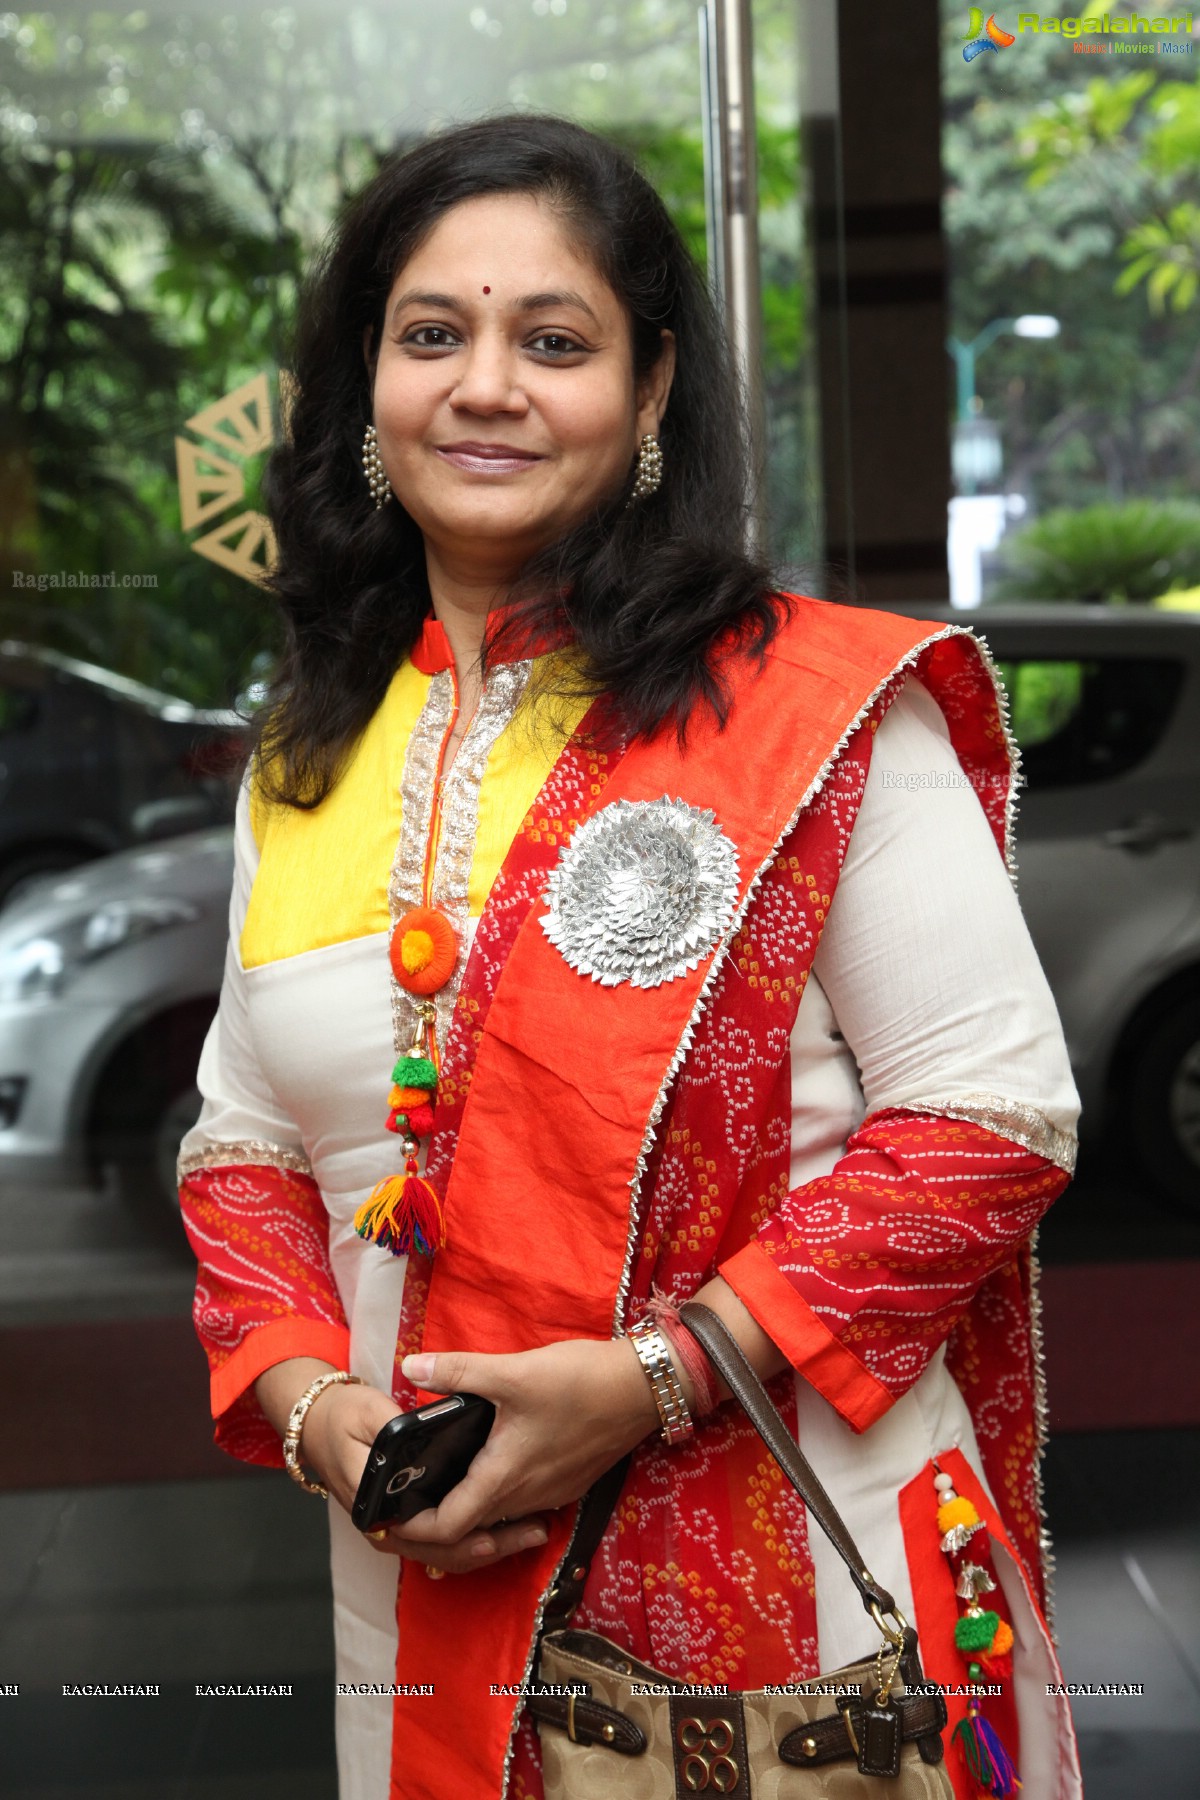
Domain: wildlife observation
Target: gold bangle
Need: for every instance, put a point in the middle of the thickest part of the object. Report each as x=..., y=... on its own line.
x=295, y=1425
x=654, y=1354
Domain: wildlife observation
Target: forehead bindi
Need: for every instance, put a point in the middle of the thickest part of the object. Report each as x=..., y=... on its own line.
x=510, y=249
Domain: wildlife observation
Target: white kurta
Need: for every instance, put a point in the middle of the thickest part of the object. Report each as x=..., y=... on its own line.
x=925, y=989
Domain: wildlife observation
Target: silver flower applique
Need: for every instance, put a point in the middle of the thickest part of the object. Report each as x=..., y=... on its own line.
x=642, y=892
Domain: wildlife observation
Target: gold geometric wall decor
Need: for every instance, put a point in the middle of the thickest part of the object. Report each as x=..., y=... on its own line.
x=210, y=482
x=203, y=471
x=242, y=556
x=287, y=399
x=241, y=420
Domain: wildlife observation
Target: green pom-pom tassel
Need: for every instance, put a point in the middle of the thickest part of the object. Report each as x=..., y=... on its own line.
x=414, y=1071
x=975, y=1631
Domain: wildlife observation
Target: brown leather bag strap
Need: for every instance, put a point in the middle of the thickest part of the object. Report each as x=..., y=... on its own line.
x=725, y=1354
x=595, y=1510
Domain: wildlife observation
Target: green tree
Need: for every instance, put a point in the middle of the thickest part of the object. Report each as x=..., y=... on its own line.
x=1051, y=168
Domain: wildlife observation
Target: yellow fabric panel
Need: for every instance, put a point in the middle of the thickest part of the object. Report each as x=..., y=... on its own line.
x=323, y=875
x=521, y=759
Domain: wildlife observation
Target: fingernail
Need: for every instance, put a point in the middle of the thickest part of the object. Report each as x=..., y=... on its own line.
x=485, y=1547
x=418, y=1368
x=532, y=1538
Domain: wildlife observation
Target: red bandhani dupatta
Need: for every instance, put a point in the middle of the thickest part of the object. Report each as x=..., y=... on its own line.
x=565, y=1199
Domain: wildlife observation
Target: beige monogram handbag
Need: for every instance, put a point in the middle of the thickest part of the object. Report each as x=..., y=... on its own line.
x=869, y=1731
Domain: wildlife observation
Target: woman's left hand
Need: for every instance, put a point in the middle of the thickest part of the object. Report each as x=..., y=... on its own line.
x=564, y=1414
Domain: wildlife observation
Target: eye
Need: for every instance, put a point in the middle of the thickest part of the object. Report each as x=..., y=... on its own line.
x=554, y=345
x=431, y=337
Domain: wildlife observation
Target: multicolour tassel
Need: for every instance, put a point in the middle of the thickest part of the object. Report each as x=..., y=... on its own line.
x=988, y=1762
x=404, y=1212
x=981, y=1636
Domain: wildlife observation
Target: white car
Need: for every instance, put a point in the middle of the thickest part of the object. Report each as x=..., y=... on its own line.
x=108, y=978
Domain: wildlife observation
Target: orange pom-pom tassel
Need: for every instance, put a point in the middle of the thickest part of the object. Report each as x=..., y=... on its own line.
x=1002, y=1643
x=401, y=1098
x=956, y=1512
x=423, y=950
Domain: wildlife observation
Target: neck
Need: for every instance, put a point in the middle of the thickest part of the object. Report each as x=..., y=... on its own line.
x=463, y=596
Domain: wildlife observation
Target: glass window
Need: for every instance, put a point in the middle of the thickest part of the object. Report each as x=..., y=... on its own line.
x=170, y=173
x=1089, y=721
x=172, y=170
x=1071, y=201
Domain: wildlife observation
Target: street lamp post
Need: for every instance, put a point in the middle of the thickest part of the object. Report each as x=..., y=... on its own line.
x=978, y=520
x=976, y=454
x=1027, y=325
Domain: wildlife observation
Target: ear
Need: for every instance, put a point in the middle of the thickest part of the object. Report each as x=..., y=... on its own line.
x=655, y=388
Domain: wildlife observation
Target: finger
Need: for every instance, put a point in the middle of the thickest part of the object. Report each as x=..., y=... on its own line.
x=478, y=1500
x=479, y=1549
x=457, y=1371
x=382, y=1541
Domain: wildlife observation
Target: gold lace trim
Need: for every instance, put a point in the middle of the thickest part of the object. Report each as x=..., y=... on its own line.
x=248, y=1151
x=1014, y=1119
x=501, y=696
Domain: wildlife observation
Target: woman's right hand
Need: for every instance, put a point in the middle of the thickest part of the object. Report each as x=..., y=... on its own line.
x=342, y=1424
x=339, y=1428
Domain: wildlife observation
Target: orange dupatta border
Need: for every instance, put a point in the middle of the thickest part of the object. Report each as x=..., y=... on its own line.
x=585, y=1070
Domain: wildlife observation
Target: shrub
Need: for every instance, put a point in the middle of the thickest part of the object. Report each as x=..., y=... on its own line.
x=1135, y=550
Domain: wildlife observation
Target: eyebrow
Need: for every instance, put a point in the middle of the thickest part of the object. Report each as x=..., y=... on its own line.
x=526, y=303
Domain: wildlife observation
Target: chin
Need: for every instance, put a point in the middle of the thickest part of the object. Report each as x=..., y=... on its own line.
x=479, y=524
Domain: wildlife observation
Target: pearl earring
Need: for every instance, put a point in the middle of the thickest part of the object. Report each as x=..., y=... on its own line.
x=648, y=472
x=373, y=469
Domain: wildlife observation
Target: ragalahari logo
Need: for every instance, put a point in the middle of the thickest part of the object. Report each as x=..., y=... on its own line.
x=981, y=37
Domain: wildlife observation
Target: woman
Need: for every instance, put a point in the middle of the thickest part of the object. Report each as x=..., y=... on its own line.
x=552, y=804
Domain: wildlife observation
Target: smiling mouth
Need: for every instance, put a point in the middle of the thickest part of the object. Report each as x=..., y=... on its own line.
x=488, y=459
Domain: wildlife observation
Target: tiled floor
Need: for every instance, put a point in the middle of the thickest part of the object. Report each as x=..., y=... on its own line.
x=225, y=1581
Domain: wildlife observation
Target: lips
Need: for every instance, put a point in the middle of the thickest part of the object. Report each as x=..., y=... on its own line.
x=488, y=459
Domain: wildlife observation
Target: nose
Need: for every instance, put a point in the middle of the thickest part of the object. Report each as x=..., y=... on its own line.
x=490, y=378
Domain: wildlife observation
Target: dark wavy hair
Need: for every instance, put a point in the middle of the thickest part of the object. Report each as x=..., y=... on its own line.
x=645, y=591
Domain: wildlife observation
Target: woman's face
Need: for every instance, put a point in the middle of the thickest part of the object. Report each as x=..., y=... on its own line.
x=504, y=392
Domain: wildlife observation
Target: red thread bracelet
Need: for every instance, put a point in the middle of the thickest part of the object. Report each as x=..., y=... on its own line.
x=689, y=1353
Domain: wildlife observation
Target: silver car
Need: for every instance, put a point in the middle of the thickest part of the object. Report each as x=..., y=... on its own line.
x=1106, y=707
x=108, y=978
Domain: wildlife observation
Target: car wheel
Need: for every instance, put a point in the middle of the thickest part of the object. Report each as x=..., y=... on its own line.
x=144, y=1104
x=174, y=1123
x=1164, y=1093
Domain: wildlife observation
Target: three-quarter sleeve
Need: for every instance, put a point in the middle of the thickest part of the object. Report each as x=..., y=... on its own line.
x=968, y=1106
x=265, y=1289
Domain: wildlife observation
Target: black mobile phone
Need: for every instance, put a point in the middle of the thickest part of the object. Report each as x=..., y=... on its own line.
x=417, y=1458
